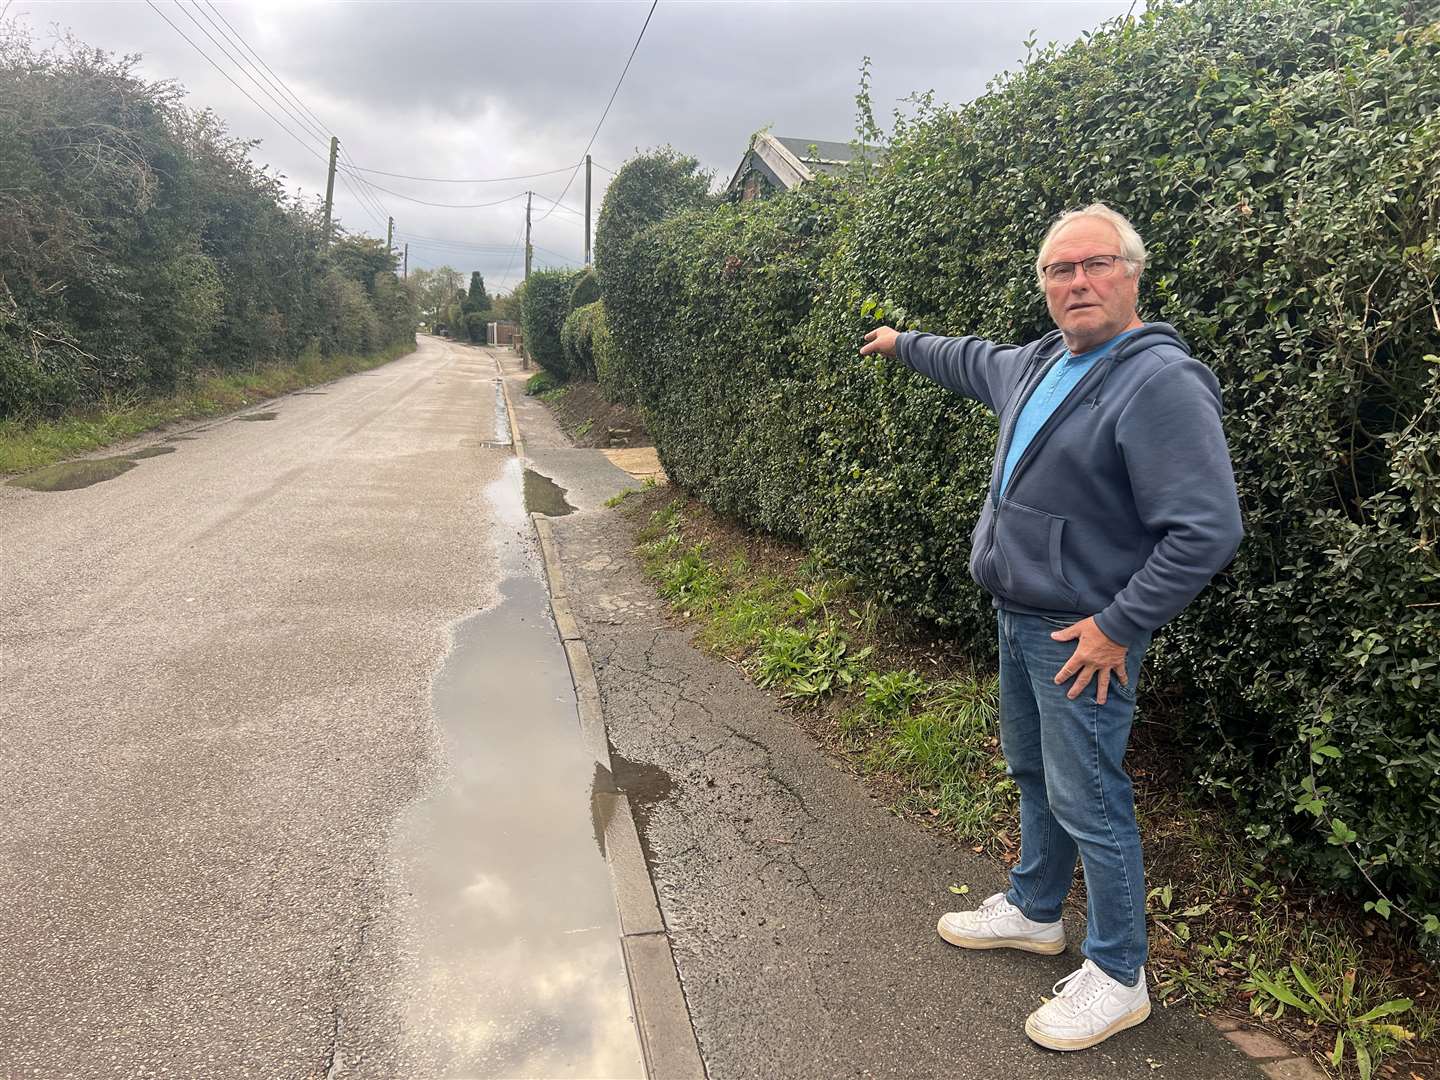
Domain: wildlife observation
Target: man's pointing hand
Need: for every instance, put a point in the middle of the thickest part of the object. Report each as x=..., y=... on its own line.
x=881, y=340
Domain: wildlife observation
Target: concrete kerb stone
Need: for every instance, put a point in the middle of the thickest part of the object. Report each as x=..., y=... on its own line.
x=662, y=1016
x=515, y=439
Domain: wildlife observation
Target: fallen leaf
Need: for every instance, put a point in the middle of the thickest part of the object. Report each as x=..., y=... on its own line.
x=960, y=890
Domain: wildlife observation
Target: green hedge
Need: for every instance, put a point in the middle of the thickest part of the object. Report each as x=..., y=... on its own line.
x=139, y=243
x=1281, y=159
x=544, y=306
x=577, y=338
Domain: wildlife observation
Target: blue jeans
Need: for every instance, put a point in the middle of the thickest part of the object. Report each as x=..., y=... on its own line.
x=1067, y=757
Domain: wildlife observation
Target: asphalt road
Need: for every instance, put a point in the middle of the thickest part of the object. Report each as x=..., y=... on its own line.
x=217, y=724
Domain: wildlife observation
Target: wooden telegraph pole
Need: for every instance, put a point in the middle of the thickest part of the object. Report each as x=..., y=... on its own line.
x=529, y=253
x=587, y=209
x=406, y=271
x=329, y=194
x=390, y=237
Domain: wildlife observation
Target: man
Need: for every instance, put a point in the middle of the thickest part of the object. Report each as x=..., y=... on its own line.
x=1111, y=505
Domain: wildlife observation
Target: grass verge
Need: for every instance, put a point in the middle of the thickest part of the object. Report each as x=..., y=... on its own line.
x=919, y=724
x=31, y=444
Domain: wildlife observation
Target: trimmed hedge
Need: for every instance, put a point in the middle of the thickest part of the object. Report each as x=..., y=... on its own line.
x=544, y=306
x=1281, y=159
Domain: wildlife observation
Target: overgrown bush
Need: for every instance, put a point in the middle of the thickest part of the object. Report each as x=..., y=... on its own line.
x=607, y=366
x=586, y=289
x=577, y=336
x=1281, y=159
x=544, y=306
x=139, y=242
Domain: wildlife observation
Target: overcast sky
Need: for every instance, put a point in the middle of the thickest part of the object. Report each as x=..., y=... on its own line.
x=479, y=90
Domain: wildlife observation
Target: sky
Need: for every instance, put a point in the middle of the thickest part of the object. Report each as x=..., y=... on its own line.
x=497, y=90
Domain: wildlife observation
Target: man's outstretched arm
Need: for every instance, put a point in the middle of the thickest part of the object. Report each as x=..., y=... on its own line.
x=970, y=366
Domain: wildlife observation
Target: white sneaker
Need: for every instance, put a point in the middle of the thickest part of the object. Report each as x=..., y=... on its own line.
x=1088, y=1007
x=998, y=924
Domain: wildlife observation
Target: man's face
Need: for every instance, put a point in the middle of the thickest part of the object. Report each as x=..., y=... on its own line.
x=1090, y=311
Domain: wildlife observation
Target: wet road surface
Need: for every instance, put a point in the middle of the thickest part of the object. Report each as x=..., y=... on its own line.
x=281, y=711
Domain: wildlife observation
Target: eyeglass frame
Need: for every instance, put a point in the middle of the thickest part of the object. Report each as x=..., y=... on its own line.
x=1073, y=263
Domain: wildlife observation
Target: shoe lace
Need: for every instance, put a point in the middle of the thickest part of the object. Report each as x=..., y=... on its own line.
x=993, y=908
x=1079, y=990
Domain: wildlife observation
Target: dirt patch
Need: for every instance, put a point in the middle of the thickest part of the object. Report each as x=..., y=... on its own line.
x=590, y=420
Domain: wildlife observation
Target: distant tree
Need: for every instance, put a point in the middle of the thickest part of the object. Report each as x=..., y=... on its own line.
x=476, y=299
x=360, y=258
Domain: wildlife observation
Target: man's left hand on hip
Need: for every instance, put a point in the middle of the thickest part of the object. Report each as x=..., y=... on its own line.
x=1095, y=655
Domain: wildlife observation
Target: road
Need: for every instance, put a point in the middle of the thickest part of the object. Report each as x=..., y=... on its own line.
x=287, y=786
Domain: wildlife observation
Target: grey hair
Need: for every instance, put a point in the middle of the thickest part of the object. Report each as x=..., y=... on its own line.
x=1132, y=248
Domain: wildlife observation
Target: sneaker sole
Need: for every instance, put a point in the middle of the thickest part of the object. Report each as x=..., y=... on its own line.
x=1045, y=948
x=1053, y=1042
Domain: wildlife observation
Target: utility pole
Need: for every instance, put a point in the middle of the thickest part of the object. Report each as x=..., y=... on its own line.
x=407, y=261
x=529, y=251
x=587, y=209
x=390, y=237
x=329, y=194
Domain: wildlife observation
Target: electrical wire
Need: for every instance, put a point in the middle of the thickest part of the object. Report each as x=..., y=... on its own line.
x=367, y=199
x=278, y=123
x=593, y=134
x=452, y=180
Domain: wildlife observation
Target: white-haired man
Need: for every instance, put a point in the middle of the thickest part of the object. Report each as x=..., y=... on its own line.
x=1111, y=505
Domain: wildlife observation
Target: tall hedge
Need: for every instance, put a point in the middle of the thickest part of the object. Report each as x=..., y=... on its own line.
x=544, y=306
x=1282, y=160
x=140, y=243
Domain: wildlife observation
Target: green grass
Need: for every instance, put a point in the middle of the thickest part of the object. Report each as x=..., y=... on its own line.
x=31, y=444
x=1228, y=933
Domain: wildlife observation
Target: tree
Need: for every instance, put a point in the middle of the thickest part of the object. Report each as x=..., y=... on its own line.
x=476, y=300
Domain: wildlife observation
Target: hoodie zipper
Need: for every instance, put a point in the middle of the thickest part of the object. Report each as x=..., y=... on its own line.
x=1097, y=375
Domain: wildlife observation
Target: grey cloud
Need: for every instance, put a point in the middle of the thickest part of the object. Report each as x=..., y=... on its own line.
x=438, y=89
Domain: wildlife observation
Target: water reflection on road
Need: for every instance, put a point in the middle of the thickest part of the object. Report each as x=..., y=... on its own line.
x=516, y=968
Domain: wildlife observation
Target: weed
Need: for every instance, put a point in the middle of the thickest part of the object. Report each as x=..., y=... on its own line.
x=889, y=695
x=540, y=382
x=810, y=661
x=619, y=497
x=584, y=428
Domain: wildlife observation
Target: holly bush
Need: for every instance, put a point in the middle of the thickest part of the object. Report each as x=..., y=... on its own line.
x=1282, y=160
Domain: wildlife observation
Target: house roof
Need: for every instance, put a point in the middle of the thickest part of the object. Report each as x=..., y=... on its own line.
x=788, y=162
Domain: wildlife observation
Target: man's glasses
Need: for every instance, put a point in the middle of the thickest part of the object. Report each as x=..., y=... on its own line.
x=1058, y=273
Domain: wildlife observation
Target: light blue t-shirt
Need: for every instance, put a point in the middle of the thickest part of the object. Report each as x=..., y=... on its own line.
x=1053, y=389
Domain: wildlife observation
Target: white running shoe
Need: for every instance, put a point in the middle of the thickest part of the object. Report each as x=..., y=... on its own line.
x=998, y=924
x=1088, y=1007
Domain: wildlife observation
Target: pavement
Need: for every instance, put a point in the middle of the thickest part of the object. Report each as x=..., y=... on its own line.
x=801, y=913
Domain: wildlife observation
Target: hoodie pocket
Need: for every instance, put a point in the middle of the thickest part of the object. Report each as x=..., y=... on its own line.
x=1027, y=558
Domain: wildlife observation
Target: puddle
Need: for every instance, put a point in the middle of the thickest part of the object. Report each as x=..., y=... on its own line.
x=149, y=452
x=514, y=965
x=258, y=416
x=545, y=496
x=647, y=785
x=69, y=475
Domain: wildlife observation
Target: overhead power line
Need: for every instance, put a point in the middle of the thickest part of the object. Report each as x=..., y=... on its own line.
x=278, y=123
x=367, y=199
x=453, y=180
x=603, y=115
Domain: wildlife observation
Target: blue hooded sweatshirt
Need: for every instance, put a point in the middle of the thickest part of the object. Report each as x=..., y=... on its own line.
x=1123, y=505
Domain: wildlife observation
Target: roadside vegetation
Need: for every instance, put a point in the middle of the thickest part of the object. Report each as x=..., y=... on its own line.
x=890, y=696
x=149, y=270
x=1279, y=157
